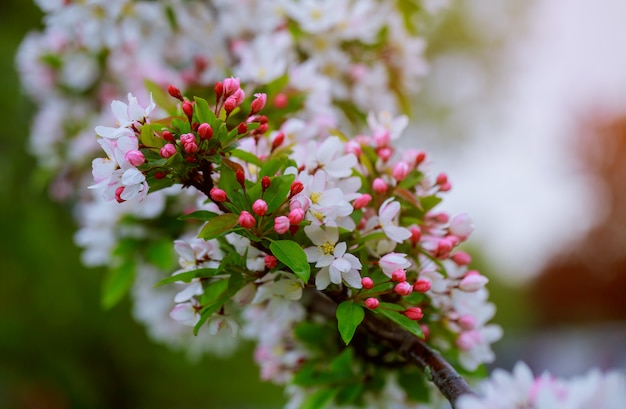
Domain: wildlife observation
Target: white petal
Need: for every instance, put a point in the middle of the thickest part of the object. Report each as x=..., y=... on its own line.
x=132, y=177
x=396, y=233
x=353, y=278
x=340, y=249
x=313, y=253
x=322, y=279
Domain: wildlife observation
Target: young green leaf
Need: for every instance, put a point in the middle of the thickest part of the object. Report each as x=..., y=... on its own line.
x=218, y=226
x=349, y=316
x=246, y=156
x=291, y=254
x=319, y=399
x=402, y=320
x=203, y=215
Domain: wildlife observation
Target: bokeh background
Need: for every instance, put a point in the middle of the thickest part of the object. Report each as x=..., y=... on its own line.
x=525, y=109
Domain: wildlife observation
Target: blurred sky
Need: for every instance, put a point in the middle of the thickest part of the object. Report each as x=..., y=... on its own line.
x=521, y=110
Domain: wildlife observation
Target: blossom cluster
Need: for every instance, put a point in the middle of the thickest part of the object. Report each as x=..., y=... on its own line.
x=323, y=63
x=520, y=389
x=352, y=218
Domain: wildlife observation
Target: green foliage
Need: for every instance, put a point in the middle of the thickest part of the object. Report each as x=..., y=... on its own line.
x=349, y=316
x=293, y=256
x=117, y=282
x=400, y=319
x=218, y=226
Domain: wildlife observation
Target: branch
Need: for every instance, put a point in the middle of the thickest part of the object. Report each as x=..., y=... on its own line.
x=413, y=349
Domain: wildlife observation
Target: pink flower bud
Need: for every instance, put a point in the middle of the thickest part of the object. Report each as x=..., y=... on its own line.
x=372, y=303
x=379, y=186
x=230, y=105
x=218, y=195
x=425, y=330
x=191, y=147
x=259, y=207
x=265, y=183
x=384, y=154
x=414, y=313
x=188, y=109
x=362, y=201
x=246, y=220
x=393, y=261
x=461, y=258
x=242, y=128
x=219, y=90
x=419, y=158
x=416, y=235
x=367, y=283
x=382, y=138
x=354, y=148
x=118, y=194
x=281, y=100
x=167, y=135
x=296, y=187
x=270, y=261
x=241, y=178
x=445, y=187
x=205, y=131
x=281, y=224
x=439, y=217
x=403, y=288
x=187, y=138
x=175, y=92
x=401, y=171
x=442, y=178
x=444, y=247
x=473, y=281
x=239, y=96
x=467, y=322
x=258, y=103
x=468, y=339
x=261, y=129
x=398, y=276
x=296, y=215
x=135, y=157
x=461, y=226
x=231, y=85
x=421, y=286
x=168, y=150
x=278, y=140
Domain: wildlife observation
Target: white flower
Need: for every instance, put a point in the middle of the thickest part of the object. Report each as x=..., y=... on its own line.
x=126, y=115
x=386, y=220
x=336, y=265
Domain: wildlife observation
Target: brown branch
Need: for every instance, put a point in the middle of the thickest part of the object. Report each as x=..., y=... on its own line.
x=413, y=349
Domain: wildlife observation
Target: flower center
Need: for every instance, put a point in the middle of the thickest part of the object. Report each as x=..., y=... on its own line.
x=328, y=248
x=315, y=197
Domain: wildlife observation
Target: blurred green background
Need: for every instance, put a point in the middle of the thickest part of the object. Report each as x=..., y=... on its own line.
x=58, y=348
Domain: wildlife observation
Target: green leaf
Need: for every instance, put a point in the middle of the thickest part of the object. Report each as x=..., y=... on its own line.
x=203, y=112
x=228, y=183
x=272, y=166
x=218, y=226
x=246, y=156
x=293, y=256
x=148, y=138
x=206, y=312
x=276, y=194
x=203, y=215
x=319, y=399
x=392, y=306
x=117, y=282
x=402, y=320
x=349, y=394
x=341, y=366
x=214, y=291
x=349, y=316
x=413, y=381
x=187, y=276
x=429, y=202
x=235, y=282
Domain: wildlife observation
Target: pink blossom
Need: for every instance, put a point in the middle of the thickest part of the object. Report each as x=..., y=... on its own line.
x=362, y=201
x=258, y=103
x=401, y=170
x=246, y=220
x=372, y=303
x=259, y=207
x=168, y=150
x=135, y=157
x=281, y=224
x=414, y=313
x=218, y=195
x=461, y=258
x=393, y=261
x=473, y=281
x=367, y=283
x=205, y=131
x=403, y=288
x=398, y=276
x=422, y=286
x=461, y=226
x=296, y=215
